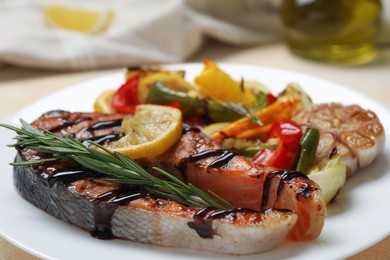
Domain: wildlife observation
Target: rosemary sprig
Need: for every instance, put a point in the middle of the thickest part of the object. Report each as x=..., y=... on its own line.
x=118, y=167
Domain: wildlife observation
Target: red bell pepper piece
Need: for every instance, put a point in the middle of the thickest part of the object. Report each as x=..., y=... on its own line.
x=271, y=98
x=287, y=152
x=174, y=104
x=126, y=97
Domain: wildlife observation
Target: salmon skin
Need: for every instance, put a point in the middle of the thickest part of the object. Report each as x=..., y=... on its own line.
x=267, y=200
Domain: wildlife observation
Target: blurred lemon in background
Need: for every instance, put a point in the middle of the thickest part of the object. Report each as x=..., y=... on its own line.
x=77, y=18
x=103, y=102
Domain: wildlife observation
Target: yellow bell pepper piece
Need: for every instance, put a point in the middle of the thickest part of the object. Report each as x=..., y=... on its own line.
x=215, y=83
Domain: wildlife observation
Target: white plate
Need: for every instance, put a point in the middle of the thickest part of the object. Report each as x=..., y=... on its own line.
x=358, y=219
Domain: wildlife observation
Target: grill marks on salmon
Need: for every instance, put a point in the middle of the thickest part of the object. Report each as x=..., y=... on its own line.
x=97, y=127
x=267, y=200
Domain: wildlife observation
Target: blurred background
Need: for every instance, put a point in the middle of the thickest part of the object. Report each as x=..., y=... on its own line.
x=90, y=34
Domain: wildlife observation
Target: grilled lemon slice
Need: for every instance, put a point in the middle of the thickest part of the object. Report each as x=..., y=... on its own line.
x=151, y=131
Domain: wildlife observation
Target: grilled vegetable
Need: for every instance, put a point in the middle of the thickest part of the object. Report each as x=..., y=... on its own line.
x=215, y=83
x=309, y=144
x=285, y=155
x=331, y=177
x=190, y=105
x=357, y=133
x=125, y=98
x=281, y=109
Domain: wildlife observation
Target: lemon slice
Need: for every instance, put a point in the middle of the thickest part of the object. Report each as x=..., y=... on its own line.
x=78, y=19
x=103, y=102
x=151, y=131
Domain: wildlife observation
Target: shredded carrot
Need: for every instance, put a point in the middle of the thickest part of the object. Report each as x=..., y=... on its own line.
x=281, y=109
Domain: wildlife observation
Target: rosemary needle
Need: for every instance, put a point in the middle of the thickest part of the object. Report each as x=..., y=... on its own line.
x=118, y=167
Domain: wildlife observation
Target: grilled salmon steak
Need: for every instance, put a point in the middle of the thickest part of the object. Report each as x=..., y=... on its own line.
x=270, y=204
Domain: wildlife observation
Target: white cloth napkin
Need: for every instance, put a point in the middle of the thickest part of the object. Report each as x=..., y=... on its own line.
x=143, y=32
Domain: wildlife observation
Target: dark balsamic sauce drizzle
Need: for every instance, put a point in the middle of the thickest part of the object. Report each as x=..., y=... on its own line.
x=71, y=174
x=99, y=126
x=223, y=157
x=65, y=123
x=105, y=124
x=121, y=196
x=202, y=155
x=203, y=219
x=105, y=205
x=202, y=224
x=102, y=139
x=102, y=214
x=284, y=176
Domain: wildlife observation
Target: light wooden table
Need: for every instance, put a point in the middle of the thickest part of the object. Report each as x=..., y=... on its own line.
x=20, y=87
